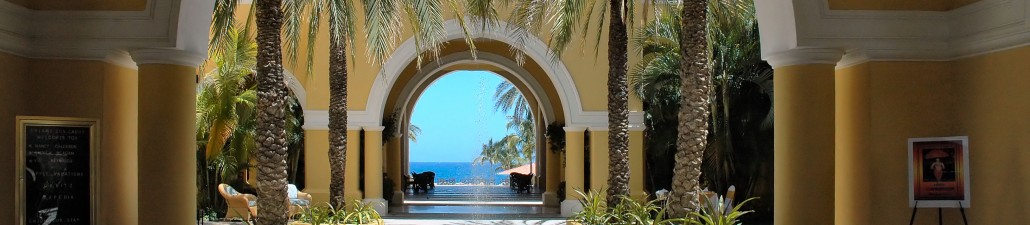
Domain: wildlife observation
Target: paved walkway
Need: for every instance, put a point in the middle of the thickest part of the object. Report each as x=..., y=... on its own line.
x=472, y=205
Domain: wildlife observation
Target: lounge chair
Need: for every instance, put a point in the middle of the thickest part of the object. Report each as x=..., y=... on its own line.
x=298, y=200
x=239, y=205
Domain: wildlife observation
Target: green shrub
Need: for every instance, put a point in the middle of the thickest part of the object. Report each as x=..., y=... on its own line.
x=360, y=213
x=629, y=211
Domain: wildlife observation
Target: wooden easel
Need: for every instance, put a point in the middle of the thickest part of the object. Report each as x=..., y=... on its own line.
x=940, y=215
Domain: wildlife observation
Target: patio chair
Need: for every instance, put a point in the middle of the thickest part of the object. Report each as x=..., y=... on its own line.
x=238, y=205
x=298, y=200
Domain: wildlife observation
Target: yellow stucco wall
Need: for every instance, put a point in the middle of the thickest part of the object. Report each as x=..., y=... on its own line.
x=994, y=111
x=983, y=97
x=12, y=81
x=86, y=5
x=916, y=5
x=76, y=88
x=589, y=71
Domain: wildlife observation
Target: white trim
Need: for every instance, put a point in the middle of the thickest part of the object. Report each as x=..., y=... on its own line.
x=574, y=129
x=431, y=72
x=296, y=87
x=535, y=49
x=373, y=128
x=166, y=56
x=121, y=58
x=319, y=120
x=979, y=28
x=851, y=58
x=592, y=129
x=800, y=56
x=92, y=35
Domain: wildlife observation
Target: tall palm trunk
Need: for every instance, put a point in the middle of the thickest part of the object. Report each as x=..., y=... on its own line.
x=337, y=116
x=618, y=105
x=271, y=117
x=695, y=88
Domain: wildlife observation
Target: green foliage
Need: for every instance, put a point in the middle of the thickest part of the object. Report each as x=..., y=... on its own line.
x=740, y=135
x=226, y=118
x=629, y=211
x=715, y=213
x=556, y=134
x=360, y=213
x=519, y=146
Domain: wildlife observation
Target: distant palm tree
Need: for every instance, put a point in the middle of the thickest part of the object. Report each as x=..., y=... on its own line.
x=518, y=147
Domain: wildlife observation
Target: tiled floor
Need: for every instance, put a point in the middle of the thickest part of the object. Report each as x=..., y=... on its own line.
x=472, y=205
x=473, y=202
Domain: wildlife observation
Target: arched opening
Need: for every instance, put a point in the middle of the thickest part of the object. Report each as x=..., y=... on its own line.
x=468, y=143
x=545, y=83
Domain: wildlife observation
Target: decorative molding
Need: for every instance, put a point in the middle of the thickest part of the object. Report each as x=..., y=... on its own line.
x=373, y=128
x=319, y=120
x=978, y=28
x=575, y=129
x=799, y=56
x=851, y=58
x=93, y=35
x=534, y=48
x=431, y=71
x=121, y=58
x=166, y=56
x=353, y=128
x=598, y=129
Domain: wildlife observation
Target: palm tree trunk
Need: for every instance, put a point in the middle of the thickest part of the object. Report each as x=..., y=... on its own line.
x=271, y=117
x=337, y=116
x=618, y=105
x=695, y=88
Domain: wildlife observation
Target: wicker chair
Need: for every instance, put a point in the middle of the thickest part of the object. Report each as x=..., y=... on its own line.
x=297, y=201
x=239, y=205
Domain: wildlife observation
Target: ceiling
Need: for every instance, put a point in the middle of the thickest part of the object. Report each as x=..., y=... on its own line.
x=82, y=5
x=910, y=5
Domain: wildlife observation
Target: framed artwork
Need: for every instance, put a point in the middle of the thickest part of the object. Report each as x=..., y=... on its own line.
x=56, y=170
x=938, y=172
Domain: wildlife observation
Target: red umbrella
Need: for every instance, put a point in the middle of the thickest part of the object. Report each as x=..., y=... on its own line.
x=936, y=153
x=524, y=169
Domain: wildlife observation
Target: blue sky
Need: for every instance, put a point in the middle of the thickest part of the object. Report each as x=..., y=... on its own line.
x=456, y=115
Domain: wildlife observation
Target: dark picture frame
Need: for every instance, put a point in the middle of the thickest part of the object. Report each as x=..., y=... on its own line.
x=56, y=170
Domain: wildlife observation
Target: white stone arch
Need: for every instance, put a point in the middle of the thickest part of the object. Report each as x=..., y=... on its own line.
x=429, y=74
x=298, y=89
x=534, y=48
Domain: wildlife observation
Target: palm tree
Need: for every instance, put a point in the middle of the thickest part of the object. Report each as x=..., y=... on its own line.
x=271, y=116
x=382, y=28
x=695, y=37
x=564, y=16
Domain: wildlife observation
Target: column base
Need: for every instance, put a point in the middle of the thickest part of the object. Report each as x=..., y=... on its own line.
x=550, y=199
x=378, y=204
x=398, y=198
x=570, y=207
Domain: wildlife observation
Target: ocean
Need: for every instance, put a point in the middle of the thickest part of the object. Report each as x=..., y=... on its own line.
x=461, y=173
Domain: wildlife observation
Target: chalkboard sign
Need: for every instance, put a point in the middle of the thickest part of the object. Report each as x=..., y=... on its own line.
x=56, y=170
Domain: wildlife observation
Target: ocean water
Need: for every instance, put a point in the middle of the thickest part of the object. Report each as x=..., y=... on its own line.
x=464, y=173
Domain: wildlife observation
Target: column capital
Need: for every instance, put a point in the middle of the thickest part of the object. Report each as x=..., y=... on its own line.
x=353, y=128
x=373, y=128
x=599, y=129
x=166, y=56
x=799, y=56
x=575, y=129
